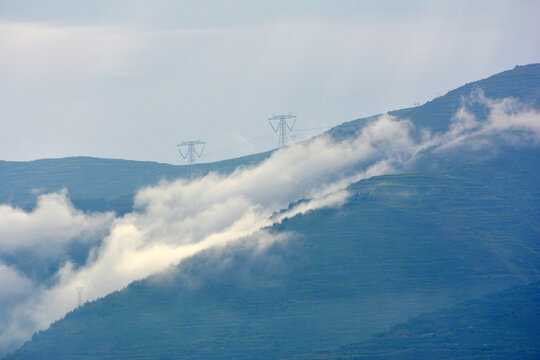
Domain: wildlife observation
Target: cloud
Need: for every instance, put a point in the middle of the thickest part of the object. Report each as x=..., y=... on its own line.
x=14, y=285
x=16, y=289
x=175, y=220
x=53, y=222
x=508, y=119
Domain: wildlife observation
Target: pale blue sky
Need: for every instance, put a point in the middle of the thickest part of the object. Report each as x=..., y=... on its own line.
x=130, y=79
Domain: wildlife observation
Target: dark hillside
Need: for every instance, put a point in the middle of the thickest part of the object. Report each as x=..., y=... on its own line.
x=455, y=227
x=403, y=244
x=505, y=325
x=96, y=184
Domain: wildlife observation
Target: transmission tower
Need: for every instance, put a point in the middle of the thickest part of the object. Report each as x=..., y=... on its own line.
x=79, y=293
x=282, y=124
x=188, y=150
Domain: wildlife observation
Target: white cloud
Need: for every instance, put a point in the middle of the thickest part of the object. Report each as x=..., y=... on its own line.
x=15, y=289
x=14, y=285
x=512, y=121
x=52, y=223
x=175, y=220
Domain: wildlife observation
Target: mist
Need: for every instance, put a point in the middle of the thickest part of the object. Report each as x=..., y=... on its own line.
x=174, y=220
x=96, y=73
x=53, y=222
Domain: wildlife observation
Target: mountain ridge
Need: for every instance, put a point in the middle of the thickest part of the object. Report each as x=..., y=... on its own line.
x=453, y=228
x=20, y=182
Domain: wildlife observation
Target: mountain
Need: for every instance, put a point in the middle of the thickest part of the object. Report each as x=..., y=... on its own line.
x=454, y=228
x=402, y=245
x=499, y=326
x=519, y=83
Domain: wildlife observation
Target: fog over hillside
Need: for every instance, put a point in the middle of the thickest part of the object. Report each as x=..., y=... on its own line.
x=174, y=220
x=365, y=181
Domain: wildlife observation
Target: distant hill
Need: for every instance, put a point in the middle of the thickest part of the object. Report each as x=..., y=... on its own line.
x=455, y=228
x=97, y=184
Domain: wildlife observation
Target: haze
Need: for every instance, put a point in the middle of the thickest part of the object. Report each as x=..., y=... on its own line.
x=130, y=79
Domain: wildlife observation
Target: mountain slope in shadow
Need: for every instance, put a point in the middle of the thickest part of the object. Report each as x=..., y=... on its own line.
x=505, y=325
x=402, y=244
x=456, y=227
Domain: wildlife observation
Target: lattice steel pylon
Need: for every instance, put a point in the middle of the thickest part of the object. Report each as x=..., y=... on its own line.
x=190, y=152
x=79, y=295
x=281, y=124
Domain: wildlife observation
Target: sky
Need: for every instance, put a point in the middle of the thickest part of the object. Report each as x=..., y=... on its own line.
x=131, y=79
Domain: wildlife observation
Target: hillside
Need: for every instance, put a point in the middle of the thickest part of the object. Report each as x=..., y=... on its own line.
x=96, y=184
x=402, y=245
x=467, y=331
x=520, y=83
x=452, y=228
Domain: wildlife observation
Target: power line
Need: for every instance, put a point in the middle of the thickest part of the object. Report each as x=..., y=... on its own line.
x=254, y=141
x=184, y=147
x=311, y=129
x=240, y=145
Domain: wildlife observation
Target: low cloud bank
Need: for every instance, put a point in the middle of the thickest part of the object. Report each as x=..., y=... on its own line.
x=175, y=220
x=46, y=229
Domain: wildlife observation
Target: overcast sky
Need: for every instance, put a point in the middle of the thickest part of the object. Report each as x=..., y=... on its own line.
x=131, y=79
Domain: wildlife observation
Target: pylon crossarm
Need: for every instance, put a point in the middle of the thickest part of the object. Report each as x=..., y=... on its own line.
x=181, y=153
x=190, y=151
x=294, y=122
x=199, y=154
x=272, y=124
